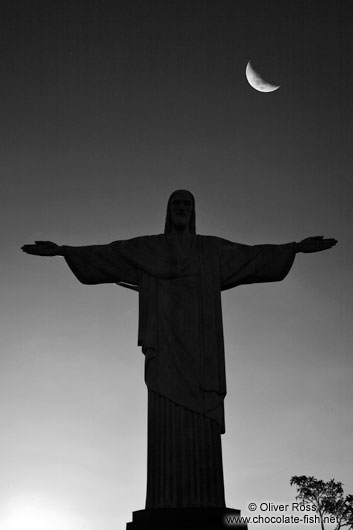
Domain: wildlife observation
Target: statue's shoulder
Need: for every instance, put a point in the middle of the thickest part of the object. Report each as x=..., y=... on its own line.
x=215, y=241
x=222, y=246
x=151, y=242
x=137, y=244
x=144, y=239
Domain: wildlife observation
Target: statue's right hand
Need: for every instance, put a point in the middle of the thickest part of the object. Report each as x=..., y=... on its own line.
x=43, y=248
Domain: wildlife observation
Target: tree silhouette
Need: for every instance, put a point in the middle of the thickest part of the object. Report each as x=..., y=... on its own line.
x=328, y=498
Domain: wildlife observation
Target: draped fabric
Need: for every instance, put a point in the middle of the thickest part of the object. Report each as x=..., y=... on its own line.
x=180, y=280
x=184, y=461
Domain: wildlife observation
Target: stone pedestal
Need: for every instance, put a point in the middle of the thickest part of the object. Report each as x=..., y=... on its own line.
x=185, y=519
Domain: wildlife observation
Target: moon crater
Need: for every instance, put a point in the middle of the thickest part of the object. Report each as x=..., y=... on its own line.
x=257, y=82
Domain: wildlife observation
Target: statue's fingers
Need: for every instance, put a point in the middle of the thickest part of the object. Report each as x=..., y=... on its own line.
x=314, y=238
x=30, y=249
x=329, y=243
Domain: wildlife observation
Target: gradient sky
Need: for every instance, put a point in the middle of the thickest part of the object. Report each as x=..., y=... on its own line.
x=106, y=108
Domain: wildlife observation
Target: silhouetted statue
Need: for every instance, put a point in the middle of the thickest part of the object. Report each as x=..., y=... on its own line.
x=180, y=276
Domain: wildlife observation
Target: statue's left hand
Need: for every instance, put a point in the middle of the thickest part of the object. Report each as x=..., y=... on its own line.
x=315, y=244
x=43, y=248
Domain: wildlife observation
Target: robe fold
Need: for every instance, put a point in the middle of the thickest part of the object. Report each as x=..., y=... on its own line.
x=179, y=280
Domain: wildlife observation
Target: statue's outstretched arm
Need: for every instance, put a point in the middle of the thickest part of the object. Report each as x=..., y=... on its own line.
x=43, y=248
x=315, y=244
x=91, y=264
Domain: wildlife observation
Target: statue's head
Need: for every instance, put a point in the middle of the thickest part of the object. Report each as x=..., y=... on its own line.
x=180, y=212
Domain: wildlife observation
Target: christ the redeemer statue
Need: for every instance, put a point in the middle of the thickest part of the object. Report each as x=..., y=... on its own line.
x=179, y=276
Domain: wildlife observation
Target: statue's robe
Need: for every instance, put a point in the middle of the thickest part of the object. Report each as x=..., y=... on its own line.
x=180, y=279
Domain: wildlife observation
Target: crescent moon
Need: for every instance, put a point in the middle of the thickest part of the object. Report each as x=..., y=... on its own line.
x=256, y=81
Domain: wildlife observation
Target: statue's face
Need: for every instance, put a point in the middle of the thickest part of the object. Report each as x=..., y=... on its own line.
x=181, y=207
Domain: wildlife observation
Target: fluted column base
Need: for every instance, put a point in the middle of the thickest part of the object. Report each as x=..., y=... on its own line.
x=184, y=463
x=185, y=519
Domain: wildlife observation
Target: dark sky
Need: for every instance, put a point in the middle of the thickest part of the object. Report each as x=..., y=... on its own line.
x=116, y=95
x=106, y=108
x=130, y=76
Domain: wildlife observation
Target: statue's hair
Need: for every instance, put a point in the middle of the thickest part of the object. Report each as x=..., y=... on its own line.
x=168, y=222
